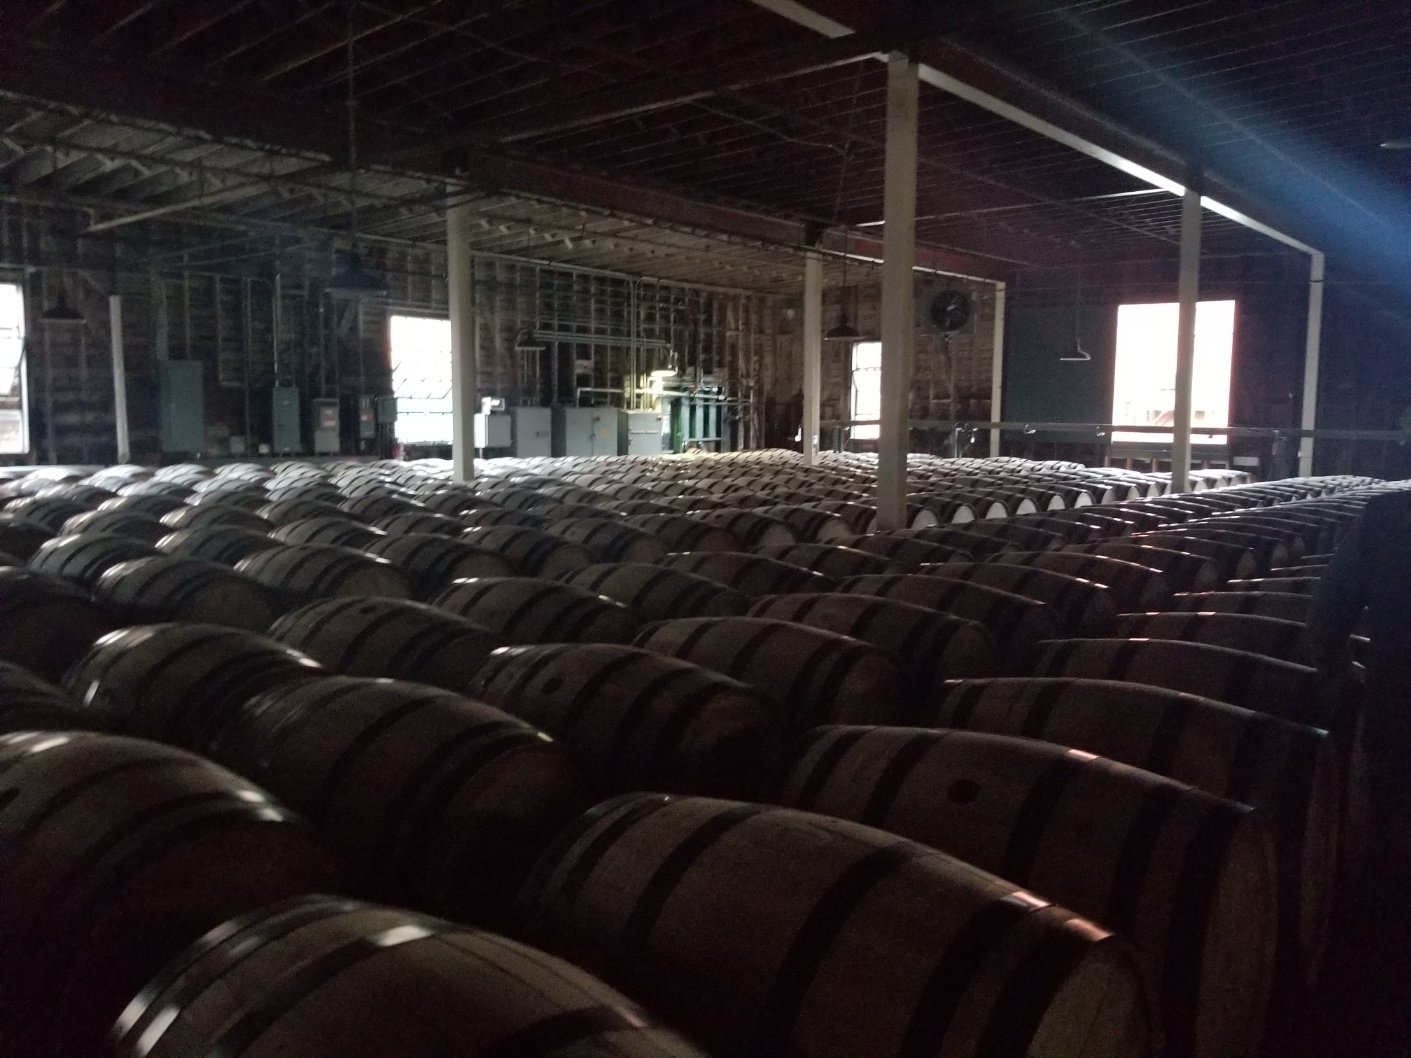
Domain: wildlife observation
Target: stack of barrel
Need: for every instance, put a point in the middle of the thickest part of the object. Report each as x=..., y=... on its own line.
x=1043, y=773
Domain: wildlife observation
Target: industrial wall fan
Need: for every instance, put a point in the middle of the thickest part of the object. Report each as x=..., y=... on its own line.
x=945, y=311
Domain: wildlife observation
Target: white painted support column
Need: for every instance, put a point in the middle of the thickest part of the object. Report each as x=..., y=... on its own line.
x=997, y=369
x=1188, y=289
x=812, y=354
x=1311, y=353
x=463, y=380
x=898, y=294
x=119, y=378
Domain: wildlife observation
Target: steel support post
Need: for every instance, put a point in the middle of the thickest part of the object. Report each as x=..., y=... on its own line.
x=1188, y=288
x=1311, y=353
x=463, y=367
x=812, y=354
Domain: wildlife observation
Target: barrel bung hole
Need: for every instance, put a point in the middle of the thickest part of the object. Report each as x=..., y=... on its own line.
x=963, y=791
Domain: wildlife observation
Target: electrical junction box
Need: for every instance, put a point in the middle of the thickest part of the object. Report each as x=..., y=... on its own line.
x=590, y=432
x=493, y=430
x=285, y=429
x=645, y=433
x=181, y=406
x=326, y=427
x=367, y=418
x=531, y=433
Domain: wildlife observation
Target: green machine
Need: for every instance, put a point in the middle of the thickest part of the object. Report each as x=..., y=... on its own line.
x=701, y=419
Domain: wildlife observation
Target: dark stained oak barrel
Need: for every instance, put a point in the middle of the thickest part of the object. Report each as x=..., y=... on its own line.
x=636, y=720
x=419, y=522
x=532, y=552
x=282, y=512
x=1286, y=640
x=168, y=588
x=46, y=624
x=151, y=506
x=117, y=523
x=48, y=512
x=324, y=978
x=431, y=561
x=832, y=560
x=427, y=796
x=1135, y=588
x=9, y=560
x=933, y=646
x=339, y=532
x=749, y=527
x=277, y=490
x=216, y=543
x=609, y=539
x=118, y=854
x=1188, y=878
x=305, y=573
x=680, y=533
x=906, y=550
x=811, y=675
x=767, y=931
x=371, y=508
x=1234, y=560
x=22, y=538
x=536, y=610
x=1183, y=570
x=809, y=525
x=1312, y=569
x=1080, y=605
x=499, y=517
x=860, y=518
x=1018, y=533
x=981, y=545
x=1285, y=606
x=1252, y=681
x=1071, y=530
x=83, y=559
x=388, y=637
x=1290, y=772
x=1268, y=551
x=1018, y=624
x=1301, y=537
x=454, y=500
x=660, y=593
x=750, y=574
x=945, y=510
x=1289, y=585
x=208, y=514
x=28, y=703
x=178, y=683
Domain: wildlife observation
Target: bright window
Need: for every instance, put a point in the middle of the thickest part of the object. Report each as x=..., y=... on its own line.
x=866, y=388
x=1144, y=382
x=14, y=426
x=421, y=379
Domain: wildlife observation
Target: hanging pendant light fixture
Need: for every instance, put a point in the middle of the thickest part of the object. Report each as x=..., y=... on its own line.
x=843, y=332
x=354, y=280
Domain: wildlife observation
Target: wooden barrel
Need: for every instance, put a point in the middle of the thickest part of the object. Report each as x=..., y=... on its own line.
x=749, y=528
x=660, y=593
x=1285, y=542
x=321, y=977
x=1071, y=530
x=83, y=559
x=609, y=539
x=282, y=512
x=1019, y=534
x=1253, y=681
x=1289, y=585
x=1290, y=772
x=215, y=514
x=304, y=573
x=1135, y=588
x=50, y=512
x=750, y=574
x=946, y=510
x=1184, y=570
x=152, y=506
x=1080, y=605
x=216, y=543
x=832, y=560
x=117, y=523
x=46, y=624
x=28, y=703
x=428, y=797
x=1309, y=537
x=501, y=517
x=1188, y=878
x=1268, y=550
x=933, y=646
x=169, y=588
x=22, y=538
x=536, y=610
x=1284, y=606
x=1310, y=569
x=390, y=638
x=277, y=489
x=860, y=518
x=809, y=525
x=813, y=676
x=1018, y=624
x=178, y=683
x=680, y=533
x=251, y=502
x=635, y=720
x=910, y=552
x=118, y=854
x=454, y=501
x=1234, y=560
x=419, y=522
x=337, y=532
x=431, y=561
x=858, y=943
x=1274, y=638
x=532, y=552
x=371, y=508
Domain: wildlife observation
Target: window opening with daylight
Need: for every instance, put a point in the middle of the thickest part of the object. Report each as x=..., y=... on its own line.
x=421, y=379
x=866, y=388
x=1144, y=382
x=14, y=422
